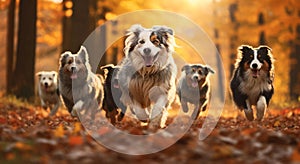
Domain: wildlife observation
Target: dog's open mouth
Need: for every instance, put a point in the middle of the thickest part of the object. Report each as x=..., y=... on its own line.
x=149, y=60
x=255, y=73
x=194, y=83
x=74, y=75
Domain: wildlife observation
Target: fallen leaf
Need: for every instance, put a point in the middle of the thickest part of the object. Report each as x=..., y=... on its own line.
x=277, y=123
x=77, y=128
x=59, y=132
x=75, y=140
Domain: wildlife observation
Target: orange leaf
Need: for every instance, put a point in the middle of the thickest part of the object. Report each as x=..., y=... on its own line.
x=2, y=120
x=59, y=131
x=10, y=156
x=75, y=140
x=277, y=123
x=77, y=127
x=22, y=146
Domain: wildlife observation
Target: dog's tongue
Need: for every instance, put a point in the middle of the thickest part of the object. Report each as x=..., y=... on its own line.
x=255, y=73
x=194, y=84
x=148, y=61
x=74, y=76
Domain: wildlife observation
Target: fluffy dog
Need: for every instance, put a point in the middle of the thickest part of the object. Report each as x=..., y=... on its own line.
x=252, y=81
x=112, y=94
x=148, y=72
x=48, y=90
x=194, y=87
x=80, y=88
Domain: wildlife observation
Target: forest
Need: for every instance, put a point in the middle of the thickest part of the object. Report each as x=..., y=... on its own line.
x=36, y=32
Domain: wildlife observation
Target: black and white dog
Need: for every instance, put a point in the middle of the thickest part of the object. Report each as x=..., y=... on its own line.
x=80, y=88
x=148, y=72
x=252, y=81
x=194, y=87
x=48, y=90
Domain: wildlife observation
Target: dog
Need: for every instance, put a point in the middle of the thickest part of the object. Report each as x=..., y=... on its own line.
x=48, y=90
x=252, y=81
x=194, y=87
x=80, y=88
x=112, y=94
x=147, y=74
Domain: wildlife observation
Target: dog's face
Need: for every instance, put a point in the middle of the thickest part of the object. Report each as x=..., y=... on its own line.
x=149, y=47
x=75, y=65
x=196, y=74
x=111, y=72
x=256, y=61
x=47, y=80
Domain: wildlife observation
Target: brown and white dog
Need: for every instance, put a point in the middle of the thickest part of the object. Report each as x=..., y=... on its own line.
x=48, y=90
x=80, y=88
x=252, y=81
x=194, y=87
x=148, y=72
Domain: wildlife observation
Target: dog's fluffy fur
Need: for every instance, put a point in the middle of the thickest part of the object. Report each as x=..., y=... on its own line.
x=48, y=90
x=80, y=88
x=148, y=72
x=112, y=94
x=194, y=87
x=252, y=81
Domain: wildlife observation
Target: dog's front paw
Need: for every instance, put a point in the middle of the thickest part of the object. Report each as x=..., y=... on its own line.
x=249, y=114
x=261, y=108
x=76, y=108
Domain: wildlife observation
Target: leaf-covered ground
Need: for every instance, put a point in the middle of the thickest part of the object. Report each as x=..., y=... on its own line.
x=29, y=135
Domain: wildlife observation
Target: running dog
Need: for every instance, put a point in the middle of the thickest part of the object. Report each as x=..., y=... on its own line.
x=80, y=88
x=147, y=74
x=252, y=81
x=48, y=90
x=112, y=94
x=194, y=87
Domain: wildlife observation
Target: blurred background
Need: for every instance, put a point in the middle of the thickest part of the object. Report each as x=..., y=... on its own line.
x=35, y=32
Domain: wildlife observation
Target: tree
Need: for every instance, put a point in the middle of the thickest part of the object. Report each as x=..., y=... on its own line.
x=22, y=83
x=10, y=44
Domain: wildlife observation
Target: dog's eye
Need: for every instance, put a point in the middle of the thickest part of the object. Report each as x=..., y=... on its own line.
x=200, y=72
x=194, y=70
x=50, y=78
x=70, y=62
x=156, y=42
x=141, y=41
x=44, y=78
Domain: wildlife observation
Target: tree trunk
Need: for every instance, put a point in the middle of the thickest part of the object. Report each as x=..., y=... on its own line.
x=261, y=22
x=295, y=72
x=10, y=45
x=234, y=37
x=23, y=76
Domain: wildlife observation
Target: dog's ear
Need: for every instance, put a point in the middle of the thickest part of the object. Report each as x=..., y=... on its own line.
x=186, y=68
x=63, y=58
x=264, y=49
x=208, y=69
x=132, y=37
x=107, y=67
x=163, y=30
x=54, y=74
x=39, y=74
x=83, y=54
x=135, y=29
x=245, y=49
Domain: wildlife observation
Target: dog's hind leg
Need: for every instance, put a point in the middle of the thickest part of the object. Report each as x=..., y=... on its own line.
x=248, y=111
x=261, y=107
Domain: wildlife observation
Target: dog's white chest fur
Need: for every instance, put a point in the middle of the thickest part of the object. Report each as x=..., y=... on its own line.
x=253, y=87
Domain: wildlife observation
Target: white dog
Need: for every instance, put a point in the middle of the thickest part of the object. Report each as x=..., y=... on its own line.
x=48, y=90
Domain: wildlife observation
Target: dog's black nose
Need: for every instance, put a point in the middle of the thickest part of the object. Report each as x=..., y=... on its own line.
x=196, y=77
x=46, y=84
x=147, y=51
x=254, y=65
x=73, y=69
